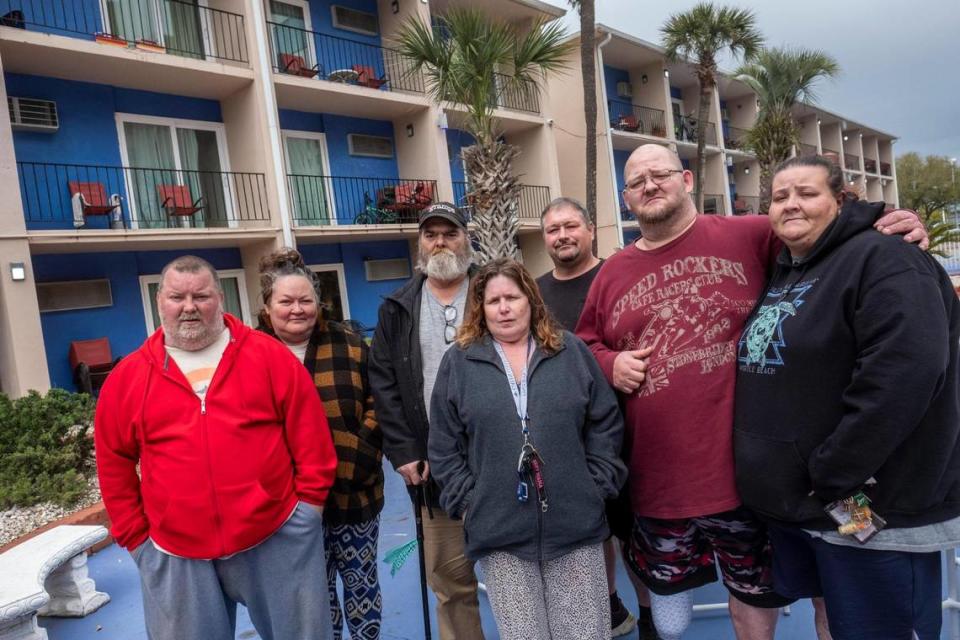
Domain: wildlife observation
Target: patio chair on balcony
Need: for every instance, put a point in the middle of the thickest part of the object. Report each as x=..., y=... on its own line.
x=297, y=66
x=177, y=200
x=367, y=77
x=627, y=122
x=410, y=199
x=741, y=208
x=91, y=361
x=90, y=199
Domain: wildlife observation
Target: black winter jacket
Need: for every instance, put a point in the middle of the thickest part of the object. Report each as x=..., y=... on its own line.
x=396, y=378
x=848, y=370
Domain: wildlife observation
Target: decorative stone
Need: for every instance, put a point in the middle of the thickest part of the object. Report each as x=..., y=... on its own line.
x=48, y=572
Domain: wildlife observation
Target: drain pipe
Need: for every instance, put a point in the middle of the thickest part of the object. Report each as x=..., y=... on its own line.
x=606, y=119
x=273, y=119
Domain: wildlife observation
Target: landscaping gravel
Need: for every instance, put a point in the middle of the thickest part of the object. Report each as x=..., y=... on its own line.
x=17, y=521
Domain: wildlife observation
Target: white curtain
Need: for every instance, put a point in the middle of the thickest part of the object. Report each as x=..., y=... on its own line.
x=288, y=37
x=307, y=191
x=150, y=155
x=133, y=19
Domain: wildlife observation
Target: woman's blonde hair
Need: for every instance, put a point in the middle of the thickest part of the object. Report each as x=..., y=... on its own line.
x=542, y=325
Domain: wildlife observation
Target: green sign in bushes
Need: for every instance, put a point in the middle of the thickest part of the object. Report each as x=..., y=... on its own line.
x=46, y=448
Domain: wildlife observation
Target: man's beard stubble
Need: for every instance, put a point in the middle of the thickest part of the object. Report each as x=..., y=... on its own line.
x=192, y=338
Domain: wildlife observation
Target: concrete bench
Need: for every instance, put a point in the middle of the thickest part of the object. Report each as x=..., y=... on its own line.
x=47, y=575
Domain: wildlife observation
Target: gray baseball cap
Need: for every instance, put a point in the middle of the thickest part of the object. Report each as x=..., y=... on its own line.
x=446, y=211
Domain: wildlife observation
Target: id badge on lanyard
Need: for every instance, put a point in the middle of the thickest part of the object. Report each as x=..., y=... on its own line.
x=529, y=464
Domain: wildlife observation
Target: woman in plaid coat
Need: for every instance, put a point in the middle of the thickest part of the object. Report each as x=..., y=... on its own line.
x=337, y=359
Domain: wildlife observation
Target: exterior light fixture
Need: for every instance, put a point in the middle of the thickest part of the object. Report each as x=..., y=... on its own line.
x=643, y=79
x=17, y=271
x=409, y=130
x=819, y=122
x=846, y=137
x=395, y=6
x=666, y=73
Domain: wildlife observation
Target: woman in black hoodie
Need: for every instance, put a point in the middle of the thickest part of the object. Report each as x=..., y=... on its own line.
x=847, y=395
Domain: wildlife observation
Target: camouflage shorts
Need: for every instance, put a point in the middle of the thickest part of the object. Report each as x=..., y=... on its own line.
x=672, y=556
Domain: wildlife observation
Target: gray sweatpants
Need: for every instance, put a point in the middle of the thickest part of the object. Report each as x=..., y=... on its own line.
x=561, y=599
x=282, y=582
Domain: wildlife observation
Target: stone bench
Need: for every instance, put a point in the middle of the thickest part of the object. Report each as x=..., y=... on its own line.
x=47, y=575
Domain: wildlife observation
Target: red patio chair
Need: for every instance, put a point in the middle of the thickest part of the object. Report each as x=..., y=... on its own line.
x=740, y=207
x=177, y=201
x=367, y=77
x=91, y=361
x=423, y=195
x=628, y=123
x=92, y=197
x=296, y=65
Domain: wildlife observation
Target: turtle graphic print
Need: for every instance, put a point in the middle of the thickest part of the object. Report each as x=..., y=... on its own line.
x=762, y=344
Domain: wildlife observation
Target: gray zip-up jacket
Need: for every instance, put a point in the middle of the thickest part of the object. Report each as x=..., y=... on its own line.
x=475, y=440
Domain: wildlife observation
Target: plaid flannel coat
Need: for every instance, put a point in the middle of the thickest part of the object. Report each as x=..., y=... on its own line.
x=337, y=359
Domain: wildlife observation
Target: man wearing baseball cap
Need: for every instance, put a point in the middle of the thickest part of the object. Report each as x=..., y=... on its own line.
x=417, y=324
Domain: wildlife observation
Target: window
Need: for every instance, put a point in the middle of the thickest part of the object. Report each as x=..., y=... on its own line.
x=333, y=290
x=234, y=297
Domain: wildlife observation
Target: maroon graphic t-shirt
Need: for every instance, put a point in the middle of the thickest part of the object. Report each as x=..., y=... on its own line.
x=688, y=300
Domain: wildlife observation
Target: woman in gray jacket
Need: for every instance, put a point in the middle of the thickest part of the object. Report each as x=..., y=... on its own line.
x=525, y=440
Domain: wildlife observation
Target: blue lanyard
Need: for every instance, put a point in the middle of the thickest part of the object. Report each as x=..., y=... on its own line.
x=518, y=389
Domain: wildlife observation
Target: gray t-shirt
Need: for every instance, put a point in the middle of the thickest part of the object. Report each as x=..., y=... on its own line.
x=433, y=325
x=924, y=539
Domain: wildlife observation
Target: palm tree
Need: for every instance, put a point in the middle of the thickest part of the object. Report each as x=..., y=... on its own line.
x=699, y=36
x=781, y=78
x=472, y=60
x=588, y=69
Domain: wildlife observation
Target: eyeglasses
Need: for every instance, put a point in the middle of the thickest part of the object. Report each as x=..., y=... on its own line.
x=449, y=316
x=656, y=177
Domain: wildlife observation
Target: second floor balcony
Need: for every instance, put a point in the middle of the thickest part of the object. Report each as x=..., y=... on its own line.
x=851, y=161
x=75, y=196
x=870, y=165
x=735, y=138
x=309, y=54
x=636, y=118
x=746, y=205
x=175, y=27
x=805, y=149
x=318, y=200
x=713, y=203
x=530, y=203
x=886, y=169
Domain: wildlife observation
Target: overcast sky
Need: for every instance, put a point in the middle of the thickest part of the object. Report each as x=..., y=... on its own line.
x=900, y=59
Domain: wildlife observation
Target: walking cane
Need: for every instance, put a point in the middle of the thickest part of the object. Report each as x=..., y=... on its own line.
x=420, y=492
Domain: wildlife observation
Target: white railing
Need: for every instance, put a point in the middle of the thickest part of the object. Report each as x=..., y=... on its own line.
x=952, y=262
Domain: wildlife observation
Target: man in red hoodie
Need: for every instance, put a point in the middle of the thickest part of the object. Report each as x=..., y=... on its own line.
x=236, y=460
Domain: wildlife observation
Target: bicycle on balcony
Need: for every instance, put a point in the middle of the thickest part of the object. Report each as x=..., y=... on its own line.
x=372, y=214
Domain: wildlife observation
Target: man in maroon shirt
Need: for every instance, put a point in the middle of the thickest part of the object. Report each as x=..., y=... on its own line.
x=662, y=318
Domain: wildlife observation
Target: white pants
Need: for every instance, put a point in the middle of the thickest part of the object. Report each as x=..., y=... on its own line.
x=561, y=599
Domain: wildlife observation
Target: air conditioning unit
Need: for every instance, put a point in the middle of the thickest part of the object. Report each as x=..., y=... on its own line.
x=31, y=114
x=624, y=89
x=388, y=269
x=354, y=20
x=359, y=144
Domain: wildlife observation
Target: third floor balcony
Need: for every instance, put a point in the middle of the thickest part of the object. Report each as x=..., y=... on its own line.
x=734, y=137
x=174, y=27
x=530, y=203
x=635, y=118
x=685, y=128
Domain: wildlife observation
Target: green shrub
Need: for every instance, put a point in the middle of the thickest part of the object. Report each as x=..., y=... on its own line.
x=45, y=448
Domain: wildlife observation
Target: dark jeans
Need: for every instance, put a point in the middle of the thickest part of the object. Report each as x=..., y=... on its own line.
x=870, y=595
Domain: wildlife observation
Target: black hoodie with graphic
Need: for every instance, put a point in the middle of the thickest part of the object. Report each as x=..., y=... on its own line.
x=848, y=370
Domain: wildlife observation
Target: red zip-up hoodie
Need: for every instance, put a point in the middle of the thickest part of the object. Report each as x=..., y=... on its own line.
x=218, y=476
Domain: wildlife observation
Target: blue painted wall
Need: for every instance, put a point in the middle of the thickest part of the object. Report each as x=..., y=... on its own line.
x=301, y=121
x=87, y=136
x=611, y=76
x=676, y=92
x=364, y=297
x=123, y=322
x=456, y=141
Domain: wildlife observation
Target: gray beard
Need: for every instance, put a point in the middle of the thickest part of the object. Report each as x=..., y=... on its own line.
x=193, y=339
x=445, y=266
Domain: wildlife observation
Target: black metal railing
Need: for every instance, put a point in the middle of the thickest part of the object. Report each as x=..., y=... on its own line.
x=61, y=196
x=713, y=203
x=524, y=96
x=870, y=165
x=746, y=205
x=317, y=55
x=180, y=28
x=636, y=118
x=734, y=137
x=885, y=168
x=807, y=149
x=685, y=128
x=324, y=200
x=851, y=162
x=532, y=200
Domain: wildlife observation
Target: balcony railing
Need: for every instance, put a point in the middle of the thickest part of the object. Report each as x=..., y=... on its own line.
x=65, y=196
x=637, y=119
x=831, y=154
x=851, y=162
x=886, y=169
x=951, y=262
x=870, y=165
x=713, y=203
x=685, y=128
x=807, y=149
x=522, y=97
x=746, y=205
x=530, y=203
x=734, y=138
x=310, y=54
x=180, y=28
x=329, y=200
